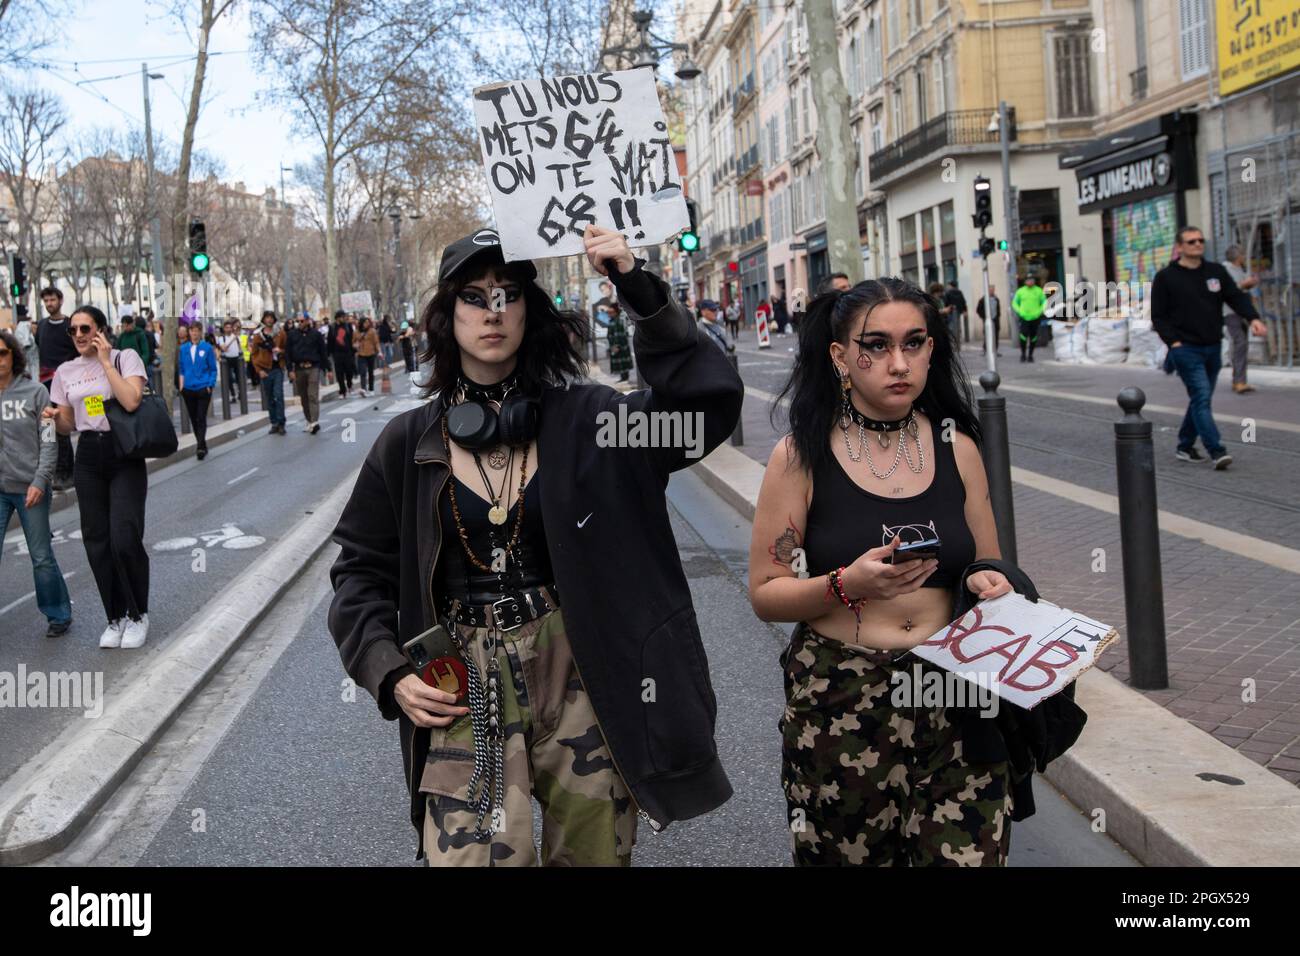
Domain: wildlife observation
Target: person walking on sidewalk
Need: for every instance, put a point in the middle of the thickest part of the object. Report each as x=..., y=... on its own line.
x=1238, y=326
x=871, y=781
x=306, y=350
x=1028, y=304
x=367, y=350
x=996, y=308
x=136, y=339
x=267, y=348
x=620, y=345
x=24, y=332
x=1187, y=301
x=731, y=315
x=560, y=592
x=27, y=455
x=231, y=356
x=55, y=345
x=343, y=352
x=111, y=490
x=959, y=314
x=385, y=330
x=196, y=367
x=407, y=340
x=709, y=326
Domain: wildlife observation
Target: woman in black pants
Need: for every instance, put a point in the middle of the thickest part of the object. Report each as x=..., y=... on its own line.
x=110, y=490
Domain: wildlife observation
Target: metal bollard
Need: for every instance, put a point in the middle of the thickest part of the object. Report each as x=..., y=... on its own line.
x=996, y=452
x=738, y=435
x=224, y=382
x=242, y=376
x=1139, y=531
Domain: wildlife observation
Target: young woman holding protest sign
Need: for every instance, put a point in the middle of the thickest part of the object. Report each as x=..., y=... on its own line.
x=876, y=386
x=529, y=575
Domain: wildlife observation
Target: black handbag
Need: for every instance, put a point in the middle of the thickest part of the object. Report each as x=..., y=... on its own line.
x=147, y=432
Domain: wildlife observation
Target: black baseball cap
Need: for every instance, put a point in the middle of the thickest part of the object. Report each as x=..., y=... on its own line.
x=482, y=244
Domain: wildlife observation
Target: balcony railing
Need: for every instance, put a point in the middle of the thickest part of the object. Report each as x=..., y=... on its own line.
x=957, y=128
x=1138, y=78
x=743, y=94
x=747, y=160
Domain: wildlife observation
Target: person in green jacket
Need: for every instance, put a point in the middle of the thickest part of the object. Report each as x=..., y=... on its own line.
x=137, y=339
x=1028, y=304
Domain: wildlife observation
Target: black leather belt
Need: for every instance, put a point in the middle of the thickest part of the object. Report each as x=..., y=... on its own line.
x=509, y=612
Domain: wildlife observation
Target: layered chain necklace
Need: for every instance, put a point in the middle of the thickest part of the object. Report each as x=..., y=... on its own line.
x=907, y=428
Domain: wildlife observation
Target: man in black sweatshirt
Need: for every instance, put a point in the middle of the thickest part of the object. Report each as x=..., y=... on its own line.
x=1187, y=299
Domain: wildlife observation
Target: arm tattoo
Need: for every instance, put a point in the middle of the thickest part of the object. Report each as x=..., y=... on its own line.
x=782, y=550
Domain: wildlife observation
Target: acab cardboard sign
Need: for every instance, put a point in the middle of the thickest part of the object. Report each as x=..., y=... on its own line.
x=564, y=152
x=1024, y=651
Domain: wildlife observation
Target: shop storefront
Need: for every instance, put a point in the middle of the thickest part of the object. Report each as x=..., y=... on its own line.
x=819, y=262
x=753, y=280
x=1136, y=178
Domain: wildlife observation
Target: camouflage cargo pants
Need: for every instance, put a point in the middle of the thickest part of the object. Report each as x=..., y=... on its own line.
x=553, y=749
x=868, y=783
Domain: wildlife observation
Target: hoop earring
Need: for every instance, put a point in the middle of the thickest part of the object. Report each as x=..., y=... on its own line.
x=864, y=361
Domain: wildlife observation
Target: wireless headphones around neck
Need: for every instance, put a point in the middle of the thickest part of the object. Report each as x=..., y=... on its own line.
x=473, y=424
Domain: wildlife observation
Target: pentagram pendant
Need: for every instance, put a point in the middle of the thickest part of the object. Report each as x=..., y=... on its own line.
x=497, y=459
x=497, y=514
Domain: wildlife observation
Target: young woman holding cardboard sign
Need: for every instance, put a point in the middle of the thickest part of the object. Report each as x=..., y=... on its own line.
x=882, y=459
x=493, y=540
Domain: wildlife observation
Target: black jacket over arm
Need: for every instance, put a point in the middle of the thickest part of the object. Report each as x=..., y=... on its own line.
x=625, y=600
x=1028, y=739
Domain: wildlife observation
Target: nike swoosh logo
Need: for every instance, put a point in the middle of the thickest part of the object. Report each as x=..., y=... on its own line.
x=584, y=520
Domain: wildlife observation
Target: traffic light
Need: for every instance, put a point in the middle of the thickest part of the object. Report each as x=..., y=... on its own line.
x=17, y=277
x=1003, y=245
x=199, y=260
x=983, y=203
x=987, y=246
x=689, y=240
x=559, y=300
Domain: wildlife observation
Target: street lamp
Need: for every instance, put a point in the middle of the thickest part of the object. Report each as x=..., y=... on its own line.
x=650, y=49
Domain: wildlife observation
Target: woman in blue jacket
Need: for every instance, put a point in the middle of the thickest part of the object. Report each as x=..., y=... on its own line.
x=198, y=374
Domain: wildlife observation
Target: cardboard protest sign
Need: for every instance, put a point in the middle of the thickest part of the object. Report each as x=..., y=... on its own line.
x=562, y=152
x=356, y=302
x=1025, y=651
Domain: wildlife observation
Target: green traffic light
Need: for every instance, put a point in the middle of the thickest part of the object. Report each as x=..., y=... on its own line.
x=689, y=242
x=199, y=262
x=1003, y=245
x=16, y=291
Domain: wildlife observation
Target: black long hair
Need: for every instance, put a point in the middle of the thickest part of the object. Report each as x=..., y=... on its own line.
x=16, y=355
x=814, y=389
x=547, y=354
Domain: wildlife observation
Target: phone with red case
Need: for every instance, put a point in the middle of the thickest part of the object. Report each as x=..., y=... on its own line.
x=438, y=661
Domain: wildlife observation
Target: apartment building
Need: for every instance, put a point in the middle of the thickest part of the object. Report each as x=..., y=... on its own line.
x=924, y=79
x=1199, y=121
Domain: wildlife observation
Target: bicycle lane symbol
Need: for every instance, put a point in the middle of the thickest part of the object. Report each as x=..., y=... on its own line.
x=227, y=536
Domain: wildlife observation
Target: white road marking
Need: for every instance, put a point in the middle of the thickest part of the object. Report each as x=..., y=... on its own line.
x=28, y=596
x=242, y=477
x=402, y=405
x=351, y=407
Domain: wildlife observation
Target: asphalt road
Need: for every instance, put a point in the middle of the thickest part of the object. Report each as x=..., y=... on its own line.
x=232, y=506
x=274, y=764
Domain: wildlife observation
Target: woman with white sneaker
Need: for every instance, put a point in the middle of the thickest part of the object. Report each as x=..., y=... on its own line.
x=111, y=490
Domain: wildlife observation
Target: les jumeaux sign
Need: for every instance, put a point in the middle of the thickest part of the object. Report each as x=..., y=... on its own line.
x=1138, y=176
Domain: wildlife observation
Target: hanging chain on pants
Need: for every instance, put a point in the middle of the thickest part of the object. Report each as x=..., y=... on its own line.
x=485, y=719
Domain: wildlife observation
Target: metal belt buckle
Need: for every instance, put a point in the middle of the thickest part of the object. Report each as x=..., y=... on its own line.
x=496, y=614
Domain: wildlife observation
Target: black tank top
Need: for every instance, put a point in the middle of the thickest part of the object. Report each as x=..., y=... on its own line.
x=845, y=520
x=527, y=566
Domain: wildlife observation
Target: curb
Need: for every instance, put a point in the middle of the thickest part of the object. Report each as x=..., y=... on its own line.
x=46, y=803
x=1169, y=793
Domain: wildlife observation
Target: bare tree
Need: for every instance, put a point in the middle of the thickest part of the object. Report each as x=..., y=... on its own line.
x=30, y=152
x=24, y=27
x=350, y=70
x=560, y=37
